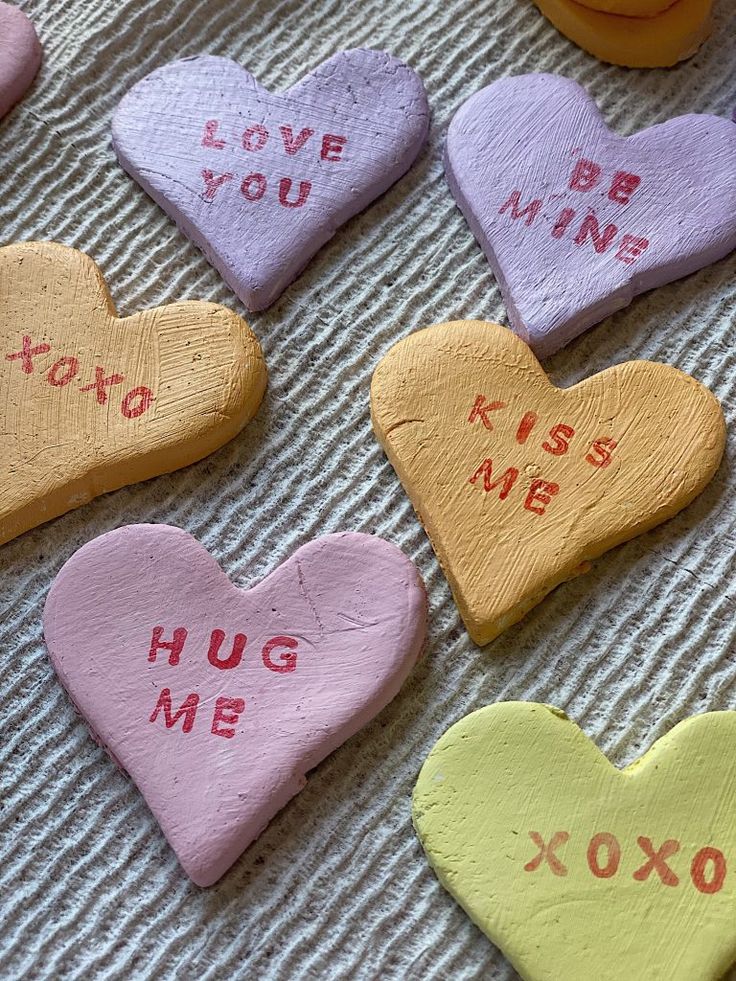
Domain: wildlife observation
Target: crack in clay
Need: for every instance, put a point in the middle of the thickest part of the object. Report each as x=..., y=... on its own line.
x=305, y=593
x=401, y=422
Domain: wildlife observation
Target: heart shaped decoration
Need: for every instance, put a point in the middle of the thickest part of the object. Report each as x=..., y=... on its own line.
x=20, y=55
x=656, y=40
x=575, y=869
x=260, y=181
x=217, y=701
x=575, y=220
x=90, y=402
x=518, y=483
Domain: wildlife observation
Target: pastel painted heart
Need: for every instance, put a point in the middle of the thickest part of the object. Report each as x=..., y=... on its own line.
x=90, y=402
x=260, y=181
x=217, y=701
x=578, y=870
x=20, y=55
x=647, y=40
x=576, y=220
x=520, y=484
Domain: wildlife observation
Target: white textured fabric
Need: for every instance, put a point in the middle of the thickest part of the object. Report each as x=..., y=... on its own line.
x=337, y=887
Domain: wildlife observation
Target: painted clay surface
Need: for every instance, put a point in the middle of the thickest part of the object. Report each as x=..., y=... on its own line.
x=20, y=55
x=629, y=8
x=634, y=42
x=91, y=402
x=260, y=181
x=217, y=701
x=576, y=869
x=518, y=483
x=576, y=220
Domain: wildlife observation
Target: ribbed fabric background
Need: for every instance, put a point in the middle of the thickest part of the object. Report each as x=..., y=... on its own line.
x=337, y=887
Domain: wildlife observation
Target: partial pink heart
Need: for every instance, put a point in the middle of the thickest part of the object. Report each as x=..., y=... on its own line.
x=576, y=220
x=258, y=180
x=20, y=55
x=217, y=701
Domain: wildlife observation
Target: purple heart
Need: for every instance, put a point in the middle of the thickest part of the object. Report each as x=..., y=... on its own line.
x=259, y=181
x=576, y=220
x=20, y=55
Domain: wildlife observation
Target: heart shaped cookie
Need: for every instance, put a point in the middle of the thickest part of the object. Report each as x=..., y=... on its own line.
x=217, y=701
x=260, y=181
x=519, y=483
x=575, y=220
x=20, y=55
x=657, y=41
x=90, y=402
x=575, y=869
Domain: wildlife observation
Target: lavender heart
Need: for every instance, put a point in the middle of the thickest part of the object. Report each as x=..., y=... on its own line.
x=260, y=181
x=576, y=220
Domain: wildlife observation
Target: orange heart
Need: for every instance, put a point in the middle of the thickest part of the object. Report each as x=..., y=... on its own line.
x=519, y=483
x=91, y=402
x=658, y=41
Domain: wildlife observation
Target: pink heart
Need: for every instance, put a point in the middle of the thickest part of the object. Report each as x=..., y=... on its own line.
x=259, y=181
x=576, y=220
x=20, y=55
x=331, y=636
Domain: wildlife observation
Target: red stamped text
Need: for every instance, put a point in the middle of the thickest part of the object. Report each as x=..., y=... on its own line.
x=278, y=654
x=581, y=224
x=556, y=442
x=66, y=369
x=254, y=186
x=605, y=857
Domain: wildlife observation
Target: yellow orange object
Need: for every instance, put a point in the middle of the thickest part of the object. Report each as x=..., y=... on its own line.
x=519, y=483
x=635, y=42
x=90, y=402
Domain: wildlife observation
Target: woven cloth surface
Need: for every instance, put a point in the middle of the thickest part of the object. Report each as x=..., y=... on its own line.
x=337, y=886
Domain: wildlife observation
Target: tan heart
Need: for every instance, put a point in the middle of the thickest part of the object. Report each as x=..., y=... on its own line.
x=519, y=483
x=91, y=402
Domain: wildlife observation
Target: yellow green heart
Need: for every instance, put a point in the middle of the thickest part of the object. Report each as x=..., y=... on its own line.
x=579, y=871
